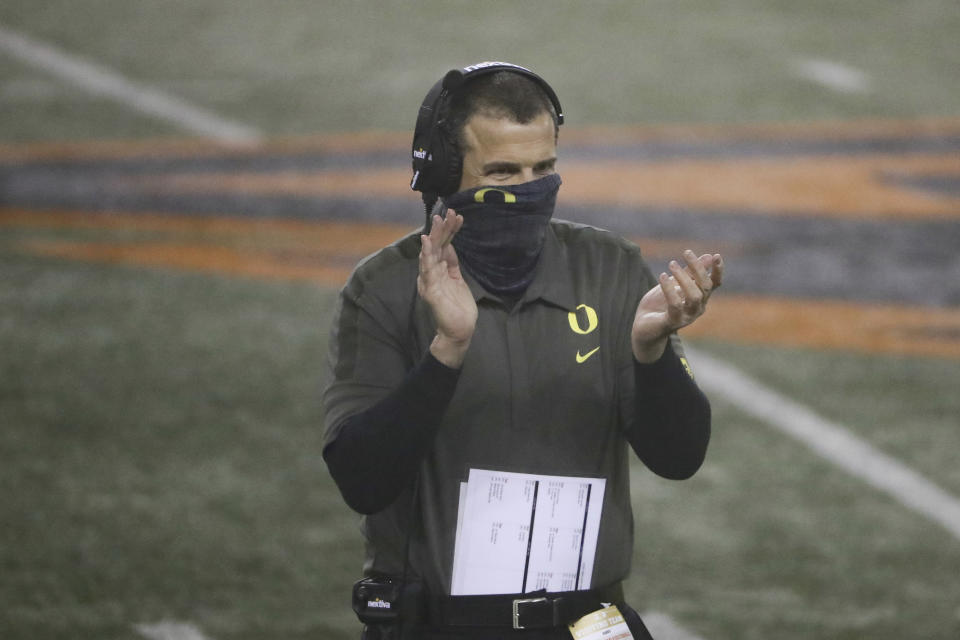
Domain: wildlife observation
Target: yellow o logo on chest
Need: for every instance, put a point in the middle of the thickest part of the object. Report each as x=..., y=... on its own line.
x=592, y=320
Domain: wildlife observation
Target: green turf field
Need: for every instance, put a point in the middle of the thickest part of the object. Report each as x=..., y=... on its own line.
x=159, y=426
x=303, y=66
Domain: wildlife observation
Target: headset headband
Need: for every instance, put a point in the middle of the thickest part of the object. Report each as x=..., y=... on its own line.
x=436, y=161
x=455, y=78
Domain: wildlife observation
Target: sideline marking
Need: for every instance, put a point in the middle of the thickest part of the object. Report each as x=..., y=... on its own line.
x=833, y=75
x=663, y=627
x=170, y=631
x=101, y=81
x=829, y=440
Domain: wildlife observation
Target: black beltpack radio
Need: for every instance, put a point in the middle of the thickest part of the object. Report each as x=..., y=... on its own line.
x=377, y=600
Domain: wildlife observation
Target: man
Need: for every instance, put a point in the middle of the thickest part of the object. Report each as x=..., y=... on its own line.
x=487, y=375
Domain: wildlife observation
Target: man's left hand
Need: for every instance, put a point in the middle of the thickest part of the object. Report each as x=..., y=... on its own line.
x=676, y=302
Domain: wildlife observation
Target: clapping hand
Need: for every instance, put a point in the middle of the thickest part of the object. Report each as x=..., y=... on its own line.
x=442, y=287
x=678, y=301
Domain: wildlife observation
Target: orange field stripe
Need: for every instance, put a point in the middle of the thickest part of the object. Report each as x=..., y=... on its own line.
x=342, y=238
x=859, y=186
x=205, y=258
x=855, y=326
x=331, y=237
x=361, y=141
x=869, y=328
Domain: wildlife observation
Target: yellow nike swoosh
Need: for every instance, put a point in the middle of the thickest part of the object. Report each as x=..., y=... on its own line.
x=583, y=358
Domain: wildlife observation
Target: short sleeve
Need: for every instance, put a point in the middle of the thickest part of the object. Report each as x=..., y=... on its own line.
x=371, y=349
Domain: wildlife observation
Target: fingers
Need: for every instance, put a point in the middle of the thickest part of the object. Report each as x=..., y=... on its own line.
x=697, y=268
x=443, y=229
x=713, y=267
x=437, y=247
x=694, y=283
x=690, y=291
x=671, y=291
x=716, y=274
x=438, y=262
x=428, y=258
x=706, y=271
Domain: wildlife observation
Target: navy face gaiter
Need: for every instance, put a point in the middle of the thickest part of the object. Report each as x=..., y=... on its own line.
x=503, y=231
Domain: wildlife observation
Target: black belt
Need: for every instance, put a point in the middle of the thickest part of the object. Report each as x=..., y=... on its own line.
x=533, y=610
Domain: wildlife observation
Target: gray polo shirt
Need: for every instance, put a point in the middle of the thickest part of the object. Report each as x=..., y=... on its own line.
x=547, y=388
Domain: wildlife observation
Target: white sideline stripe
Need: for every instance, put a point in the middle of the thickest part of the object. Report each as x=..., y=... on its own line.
x=663, y=627
x=101, y=81
x=833, y=75
x=170, y=631
x=830, y=440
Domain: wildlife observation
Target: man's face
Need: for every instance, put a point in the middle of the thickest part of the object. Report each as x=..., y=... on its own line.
x=503, y=152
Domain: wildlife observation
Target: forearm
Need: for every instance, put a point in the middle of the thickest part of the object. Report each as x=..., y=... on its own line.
x=377, y=451
x=671, y=427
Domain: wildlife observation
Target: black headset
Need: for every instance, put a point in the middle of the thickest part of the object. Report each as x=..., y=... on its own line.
x=437, y=162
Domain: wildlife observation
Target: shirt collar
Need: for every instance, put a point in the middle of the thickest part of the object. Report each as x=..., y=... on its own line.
x=552, y=281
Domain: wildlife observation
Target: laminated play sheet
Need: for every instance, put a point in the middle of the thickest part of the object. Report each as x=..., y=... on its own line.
x=519, y=532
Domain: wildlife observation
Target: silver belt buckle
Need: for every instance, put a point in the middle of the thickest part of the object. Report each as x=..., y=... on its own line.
x=516, y=609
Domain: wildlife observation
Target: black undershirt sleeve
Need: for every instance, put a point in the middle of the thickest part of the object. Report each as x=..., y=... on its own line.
x=377, y=452
x=671, y=427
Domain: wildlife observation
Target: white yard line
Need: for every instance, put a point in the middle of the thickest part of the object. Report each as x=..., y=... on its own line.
x=663, y=627
x=828, y=439
x=170, y=631
x=101, y=81
x=832, y=75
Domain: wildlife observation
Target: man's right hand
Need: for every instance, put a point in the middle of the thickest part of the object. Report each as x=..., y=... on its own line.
x=442, y=287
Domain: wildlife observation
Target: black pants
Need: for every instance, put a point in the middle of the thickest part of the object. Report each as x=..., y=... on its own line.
x=376, y=632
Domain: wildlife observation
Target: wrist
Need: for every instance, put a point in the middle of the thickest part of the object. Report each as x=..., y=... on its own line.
x=649, y=351
x=448, y=351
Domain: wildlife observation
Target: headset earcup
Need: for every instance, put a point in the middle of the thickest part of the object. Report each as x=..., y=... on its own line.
x=440, y=172
x=454, y=173
x=451, y=162
x=434, y=166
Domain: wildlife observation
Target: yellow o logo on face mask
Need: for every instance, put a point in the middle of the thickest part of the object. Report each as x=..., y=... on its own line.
x=592, y=320
x=481, y=196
